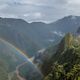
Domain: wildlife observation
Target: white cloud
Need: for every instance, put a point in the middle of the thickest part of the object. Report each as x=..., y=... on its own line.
x=39, y=10
x=3, y=6
x=58, y=33
x=37, y=15
x=74, y=1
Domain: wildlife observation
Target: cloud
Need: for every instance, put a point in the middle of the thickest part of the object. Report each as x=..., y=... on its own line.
x=3, y=6
x=74, y=2
x=58, y=33
x=37, y=15
x=39, y=10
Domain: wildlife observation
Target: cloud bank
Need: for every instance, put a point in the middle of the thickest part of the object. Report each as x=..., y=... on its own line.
x=39, y=10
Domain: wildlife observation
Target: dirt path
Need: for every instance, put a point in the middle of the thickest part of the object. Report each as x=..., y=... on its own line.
x=17, y=71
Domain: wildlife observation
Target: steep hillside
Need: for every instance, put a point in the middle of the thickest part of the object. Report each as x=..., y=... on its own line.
x=65, y=63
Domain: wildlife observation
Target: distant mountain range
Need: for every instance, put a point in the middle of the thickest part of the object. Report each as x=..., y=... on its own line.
x=31, y=37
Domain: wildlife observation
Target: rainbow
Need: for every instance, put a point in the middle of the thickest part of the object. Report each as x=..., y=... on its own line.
x=20, y=52
x=23, y=55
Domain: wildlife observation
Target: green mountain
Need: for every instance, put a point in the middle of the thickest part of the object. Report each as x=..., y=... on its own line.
x=65, y=63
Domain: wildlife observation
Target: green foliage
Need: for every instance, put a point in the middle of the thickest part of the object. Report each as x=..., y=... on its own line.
x=66, y=61
x=14, y=77
x=59, y=73
x=3, y=71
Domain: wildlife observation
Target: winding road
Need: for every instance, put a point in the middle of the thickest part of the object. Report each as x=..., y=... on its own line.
x=17, y=71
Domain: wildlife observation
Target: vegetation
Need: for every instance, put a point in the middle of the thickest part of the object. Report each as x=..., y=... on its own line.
x=65, y=63
x=14, y=77
x=3, y=71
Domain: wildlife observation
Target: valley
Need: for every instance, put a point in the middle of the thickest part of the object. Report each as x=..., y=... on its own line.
x=35, y=51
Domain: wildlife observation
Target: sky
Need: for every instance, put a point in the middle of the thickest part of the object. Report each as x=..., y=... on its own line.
x=39, y=10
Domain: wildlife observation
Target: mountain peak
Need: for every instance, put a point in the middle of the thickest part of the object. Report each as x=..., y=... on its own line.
x=71, y=17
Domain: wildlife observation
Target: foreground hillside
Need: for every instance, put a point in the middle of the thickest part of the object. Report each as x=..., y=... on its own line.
x=65, y=63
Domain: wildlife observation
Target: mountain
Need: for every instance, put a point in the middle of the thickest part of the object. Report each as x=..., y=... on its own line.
x=31, y=37
x=67, y=24
x=17, y=38
x=65, y=63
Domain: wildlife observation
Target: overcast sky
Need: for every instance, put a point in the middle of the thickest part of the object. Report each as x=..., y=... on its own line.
x=39, y=10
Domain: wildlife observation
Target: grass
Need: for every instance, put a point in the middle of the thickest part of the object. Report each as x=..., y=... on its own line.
x=78, y=78
x=3, y=71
